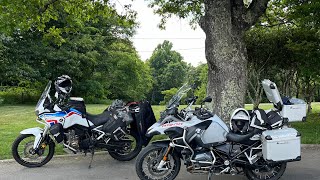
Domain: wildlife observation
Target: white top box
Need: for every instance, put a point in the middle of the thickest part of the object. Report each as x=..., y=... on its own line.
x=296, y=111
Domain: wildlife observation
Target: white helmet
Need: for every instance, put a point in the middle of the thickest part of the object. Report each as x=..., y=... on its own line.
x=63, y=85
x=240, y=121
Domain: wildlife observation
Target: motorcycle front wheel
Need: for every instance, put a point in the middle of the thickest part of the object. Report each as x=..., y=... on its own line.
x=130, y=149
x=24, y=154
x=148, y=161
x=264, y=171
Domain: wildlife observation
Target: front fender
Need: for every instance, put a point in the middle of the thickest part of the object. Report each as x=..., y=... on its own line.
x=37, y=132
x=161, y=143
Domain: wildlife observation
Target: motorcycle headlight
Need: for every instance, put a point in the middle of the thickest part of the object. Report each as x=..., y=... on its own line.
x=37, y=112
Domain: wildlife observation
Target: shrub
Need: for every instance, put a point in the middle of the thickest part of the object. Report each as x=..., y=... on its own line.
x=19, y=95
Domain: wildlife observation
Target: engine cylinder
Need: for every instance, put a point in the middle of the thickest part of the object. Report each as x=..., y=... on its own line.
x=203, y=156
x=72, y=139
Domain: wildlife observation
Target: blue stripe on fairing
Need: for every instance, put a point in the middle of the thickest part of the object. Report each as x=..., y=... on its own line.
x=56, y=114
x=74, y=110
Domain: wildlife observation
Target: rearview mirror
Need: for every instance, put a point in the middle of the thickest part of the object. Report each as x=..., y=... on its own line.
x=207, y=99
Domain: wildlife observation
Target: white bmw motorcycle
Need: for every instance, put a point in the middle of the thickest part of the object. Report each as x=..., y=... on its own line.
x=207, y=145
x=78, y=131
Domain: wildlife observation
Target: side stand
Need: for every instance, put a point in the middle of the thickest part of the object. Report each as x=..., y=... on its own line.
x=92, y=154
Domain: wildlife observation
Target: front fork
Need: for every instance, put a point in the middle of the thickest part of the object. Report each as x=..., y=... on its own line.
x=164, y=160
x=43, y=135
x=39, y=134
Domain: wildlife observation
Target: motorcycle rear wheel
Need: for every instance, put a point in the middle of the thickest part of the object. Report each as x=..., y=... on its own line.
x=23, y=152
x=129, y=153
x=267, y=172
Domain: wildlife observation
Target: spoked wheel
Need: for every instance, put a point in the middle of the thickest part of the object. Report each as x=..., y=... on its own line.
x=24, y=154
x=264, y=171
x=148, y=160
x=130, y=149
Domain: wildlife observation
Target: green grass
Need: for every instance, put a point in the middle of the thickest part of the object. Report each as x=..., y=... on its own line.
x=14, y=119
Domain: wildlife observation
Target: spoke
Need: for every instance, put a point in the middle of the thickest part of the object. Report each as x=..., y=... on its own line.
x=267, y=176
x=24, y=148
x=150, y=164
x=267, y=172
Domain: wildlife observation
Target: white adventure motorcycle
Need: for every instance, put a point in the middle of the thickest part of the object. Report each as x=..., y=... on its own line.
x=68, y=123
x=258, y=144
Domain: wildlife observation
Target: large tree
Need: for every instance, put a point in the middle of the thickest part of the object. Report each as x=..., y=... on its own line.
x=168, y=70
x=224, y=23
x=97, y=54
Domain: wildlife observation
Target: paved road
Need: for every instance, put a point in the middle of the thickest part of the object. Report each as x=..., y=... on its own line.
x=104, y=167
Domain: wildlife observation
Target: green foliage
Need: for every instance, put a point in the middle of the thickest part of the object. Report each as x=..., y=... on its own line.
x=168, y=94
x=132, y=76
x=168, y=70
x=195, y=75
x=284, y=47
x=100, y=69
x=19, y=95
x=88, y=42
x=38, y=15
x=181, y=8
x=267, y=48
x=303, y=13
x=202, y=73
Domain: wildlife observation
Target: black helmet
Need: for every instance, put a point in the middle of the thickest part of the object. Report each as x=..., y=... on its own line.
x=63, y=85
x=240, y=121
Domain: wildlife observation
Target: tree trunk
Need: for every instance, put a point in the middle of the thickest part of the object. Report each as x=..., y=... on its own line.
x=226, y=58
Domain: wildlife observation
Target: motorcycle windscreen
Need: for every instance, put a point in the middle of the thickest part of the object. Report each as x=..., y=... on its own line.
x=45, y=98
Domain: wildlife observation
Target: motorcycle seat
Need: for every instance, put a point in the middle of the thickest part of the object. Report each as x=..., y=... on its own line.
x=238, y=138
x=99, y=119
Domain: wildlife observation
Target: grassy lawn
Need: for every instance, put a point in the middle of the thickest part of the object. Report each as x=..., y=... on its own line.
x=14, y=119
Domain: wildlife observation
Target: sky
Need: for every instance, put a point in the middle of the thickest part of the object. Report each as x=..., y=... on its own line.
x=187, y=41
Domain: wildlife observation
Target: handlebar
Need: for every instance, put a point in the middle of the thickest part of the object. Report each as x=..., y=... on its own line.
x=202, y=113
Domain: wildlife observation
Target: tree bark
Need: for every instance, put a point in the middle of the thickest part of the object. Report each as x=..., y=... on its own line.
x=226, y=58
x=224, y=23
